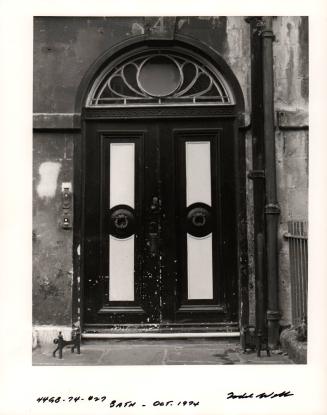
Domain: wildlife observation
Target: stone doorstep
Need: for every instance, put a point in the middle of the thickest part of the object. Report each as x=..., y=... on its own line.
x=295, y=349
x=45, y=334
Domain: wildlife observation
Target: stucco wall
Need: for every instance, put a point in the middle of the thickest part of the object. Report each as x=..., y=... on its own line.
x=291, y=99
x=52, y=245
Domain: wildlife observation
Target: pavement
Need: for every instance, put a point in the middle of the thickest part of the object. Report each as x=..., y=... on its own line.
x=157, y=352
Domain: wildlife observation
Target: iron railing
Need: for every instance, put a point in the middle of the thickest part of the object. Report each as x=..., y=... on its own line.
x=297, y=236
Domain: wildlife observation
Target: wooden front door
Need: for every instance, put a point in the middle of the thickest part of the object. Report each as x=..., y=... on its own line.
x=160, y=232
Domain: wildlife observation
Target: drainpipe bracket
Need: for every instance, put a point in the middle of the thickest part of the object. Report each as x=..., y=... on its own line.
x=273, y=315
x=256, y=174
x=272, y=209
x=267, y=33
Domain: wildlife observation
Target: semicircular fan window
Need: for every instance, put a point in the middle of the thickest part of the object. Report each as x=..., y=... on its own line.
x=160, y=78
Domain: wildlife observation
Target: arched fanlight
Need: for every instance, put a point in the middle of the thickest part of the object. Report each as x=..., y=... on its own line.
x=159, y=77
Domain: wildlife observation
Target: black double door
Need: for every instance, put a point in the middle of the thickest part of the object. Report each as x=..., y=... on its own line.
x=159, y=223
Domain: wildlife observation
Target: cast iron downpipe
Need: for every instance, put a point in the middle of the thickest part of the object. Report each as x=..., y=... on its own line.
x=271, y=208
x=257, y=174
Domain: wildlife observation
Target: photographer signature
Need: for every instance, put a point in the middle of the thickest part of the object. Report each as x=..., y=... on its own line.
x=284, y=394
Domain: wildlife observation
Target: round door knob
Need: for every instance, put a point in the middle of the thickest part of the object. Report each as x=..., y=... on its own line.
x=122, y=221
x=199, y=219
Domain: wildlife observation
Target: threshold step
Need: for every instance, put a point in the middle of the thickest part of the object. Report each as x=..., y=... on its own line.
x=224, y=327
x=155, y=335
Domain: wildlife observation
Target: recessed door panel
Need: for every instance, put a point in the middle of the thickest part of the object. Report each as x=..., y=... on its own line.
x=199, y=267
x=198, y=201
x=198, y=172
x=199, y=247
x=122, y=174
x=113, y=242
x=121, y=192
x=121, y=269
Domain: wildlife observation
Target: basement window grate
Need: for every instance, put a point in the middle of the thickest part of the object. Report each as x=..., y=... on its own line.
x=298, y=250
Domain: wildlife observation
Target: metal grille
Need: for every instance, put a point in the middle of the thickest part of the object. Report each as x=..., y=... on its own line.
x=298, y=248
x=197, y=83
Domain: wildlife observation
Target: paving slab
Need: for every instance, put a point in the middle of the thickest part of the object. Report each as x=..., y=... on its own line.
x=157, y=352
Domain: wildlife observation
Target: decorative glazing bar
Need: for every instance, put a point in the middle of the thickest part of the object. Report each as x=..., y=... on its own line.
x=159, y=77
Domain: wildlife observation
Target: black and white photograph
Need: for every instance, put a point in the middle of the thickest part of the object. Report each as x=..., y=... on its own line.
x=162, y=173
x=170, y=169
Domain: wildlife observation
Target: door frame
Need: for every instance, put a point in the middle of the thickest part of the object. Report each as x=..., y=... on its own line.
x=234, y=113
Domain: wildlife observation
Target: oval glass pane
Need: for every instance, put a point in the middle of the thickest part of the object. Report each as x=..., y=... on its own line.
x=159, y=76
